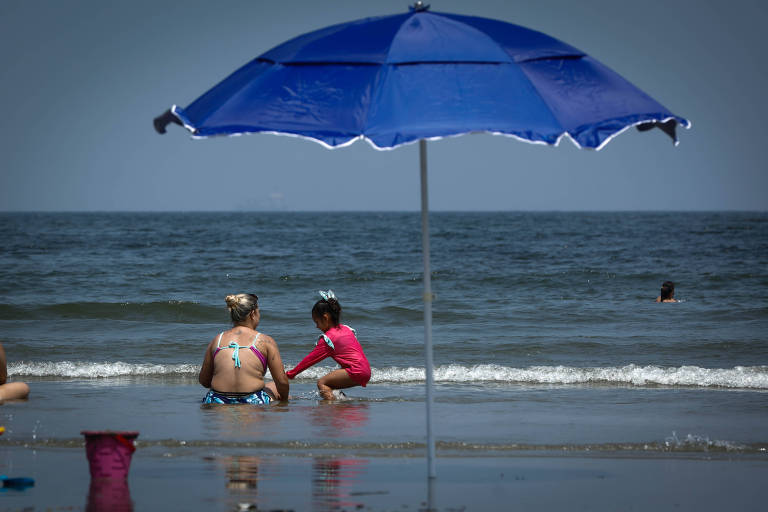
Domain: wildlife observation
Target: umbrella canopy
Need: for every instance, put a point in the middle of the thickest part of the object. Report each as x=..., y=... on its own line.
x=397, y=79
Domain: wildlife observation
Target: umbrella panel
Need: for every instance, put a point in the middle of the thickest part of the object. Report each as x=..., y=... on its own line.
x=591, y=102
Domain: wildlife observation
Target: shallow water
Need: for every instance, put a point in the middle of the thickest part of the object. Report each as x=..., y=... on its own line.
x=546, y=334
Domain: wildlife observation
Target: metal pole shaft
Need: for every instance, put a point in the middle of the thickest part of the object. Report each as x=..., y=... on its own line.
x=428, y=366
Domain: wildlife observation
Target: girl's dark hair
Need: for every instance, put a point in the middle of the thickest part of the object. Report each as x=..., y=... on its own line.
x=667, y=290
x=330, y=306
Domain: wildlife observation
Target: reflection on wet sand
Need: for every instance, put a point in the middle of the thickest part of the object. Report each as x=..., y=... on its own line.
x=340, y=419
x=332, y=481
x=235, y=421
x=242, y=472
x=333, y=478
x=109, y=495
x=321, y=483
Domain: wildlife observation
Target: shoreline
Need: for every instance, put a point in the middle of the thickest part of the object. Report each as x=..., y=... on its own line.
x=699, y=449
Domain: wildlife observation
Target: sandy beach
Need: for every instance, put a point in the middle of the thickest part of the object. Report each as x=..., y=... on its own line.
x=361, y=455
x=530, y=448
x=220, y=479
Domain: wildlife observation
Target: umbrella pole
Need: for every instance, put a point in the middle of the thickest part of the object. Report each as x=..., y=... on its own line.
x=428, y=367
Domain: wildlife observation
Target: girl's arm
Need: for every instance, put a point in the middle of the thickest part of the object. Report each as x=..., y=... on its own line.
x=206, y=370
x=320, y=352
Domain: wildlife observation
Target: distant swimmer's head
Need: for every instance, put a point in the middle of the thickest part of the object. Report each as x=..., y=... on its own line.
x=241, y=306
x=667, y=292
x=327, y=311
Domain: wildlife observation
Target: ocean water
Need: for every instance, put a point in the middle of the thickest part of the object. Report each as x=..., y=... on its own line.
x=546, y=334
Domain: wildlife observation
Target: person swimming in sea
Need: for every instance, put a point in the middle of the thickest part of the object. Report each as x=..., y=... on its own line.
x=236, y=375
x=339, y=342
x=667, y=293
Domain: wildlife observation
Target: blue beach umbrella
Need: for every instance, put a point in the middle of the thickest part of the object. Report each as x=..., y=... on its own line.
x=422, y=75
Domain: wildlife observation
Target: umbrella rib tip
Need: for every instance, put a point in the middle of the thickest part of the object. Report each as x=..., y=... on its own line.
x=162, y=121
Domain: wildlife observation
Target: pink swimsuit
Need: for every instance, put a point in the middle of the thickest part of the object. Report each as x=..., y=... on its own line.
x=341, y=344
x=236, y=355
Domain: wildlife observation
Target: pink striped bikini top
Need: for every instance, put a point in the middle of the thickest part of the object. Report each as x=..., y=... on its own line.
x=236, y=347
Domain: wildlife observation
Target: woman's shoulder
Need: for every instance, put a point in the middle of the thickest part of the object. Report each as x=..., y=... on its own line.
x=264, y=337
x=265, y=340
x=216, y=338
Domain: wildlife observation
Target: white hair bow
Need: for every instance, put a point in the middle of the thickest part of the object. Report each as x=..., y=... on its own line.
x=327, y=295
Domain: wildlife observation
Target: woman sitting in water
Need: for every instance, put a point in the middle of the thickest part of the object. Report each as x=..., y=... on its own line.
x=667, y=292
x=236, y=375
x=10, y=390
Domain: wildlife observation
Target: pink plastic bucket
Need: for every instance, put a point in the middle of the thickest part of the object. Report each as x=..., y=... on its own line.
x=109, y=452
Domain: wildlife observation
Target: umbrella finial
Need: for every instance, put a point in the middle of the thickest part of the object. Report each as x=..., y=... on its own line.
x=419, y=6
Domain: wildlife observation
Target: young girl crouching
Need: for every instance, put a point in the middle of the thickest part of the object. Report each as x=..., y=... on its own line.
x=339, y=342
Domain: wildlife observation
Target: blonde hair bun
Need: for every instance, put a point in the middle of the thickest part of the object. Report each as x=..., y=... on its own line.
x=241, y=305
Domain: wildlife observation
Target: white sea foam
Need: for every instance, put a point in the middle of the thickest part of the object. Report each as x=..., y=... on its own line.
x=752, y=377
x=693, y=442
x=739, y=377
x=86, y=370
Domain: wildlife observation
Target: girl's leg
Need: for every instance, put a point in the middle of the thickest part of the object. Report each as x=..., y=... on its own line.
x=337, y=379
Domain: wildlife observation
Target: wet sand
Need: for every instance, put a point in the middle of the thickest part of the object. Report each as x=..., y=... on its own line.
x=210, y=478
x=568, y=452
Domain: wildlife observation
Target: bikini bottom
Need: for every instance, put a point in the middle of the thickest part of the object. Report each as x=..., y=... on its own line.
x=260, y=397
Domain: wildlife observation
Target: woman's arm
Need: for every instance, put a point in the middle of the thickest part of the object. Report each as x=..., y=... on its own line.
x=206, y=370
x=275, y=364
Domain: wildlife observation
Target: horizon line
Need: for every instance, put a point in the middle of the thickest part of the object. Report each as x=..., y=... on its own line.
x=276, y=211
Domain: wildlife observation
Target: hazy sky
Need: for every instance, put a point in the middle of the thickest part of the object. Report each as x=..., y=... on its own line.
x=82, y=80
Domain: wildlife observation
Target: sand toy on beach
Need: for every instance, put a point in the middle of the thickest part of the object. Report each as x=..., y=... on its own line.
x=109, y=453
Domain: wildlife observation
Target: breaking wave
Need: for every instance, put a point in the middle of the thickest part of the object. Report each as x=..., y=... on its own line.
x=739, y=377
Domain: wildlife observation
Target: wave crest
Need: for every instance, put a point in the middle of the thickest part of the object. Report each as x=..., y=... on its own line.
x=91, y=370
x=739, y=377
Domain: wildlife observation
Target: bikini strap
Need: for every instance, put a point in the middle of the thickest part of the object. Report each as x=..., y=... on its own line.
x=252, y=346
x=236, y=350
x=218, y=345
x=235, y=354
x=258, y=353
